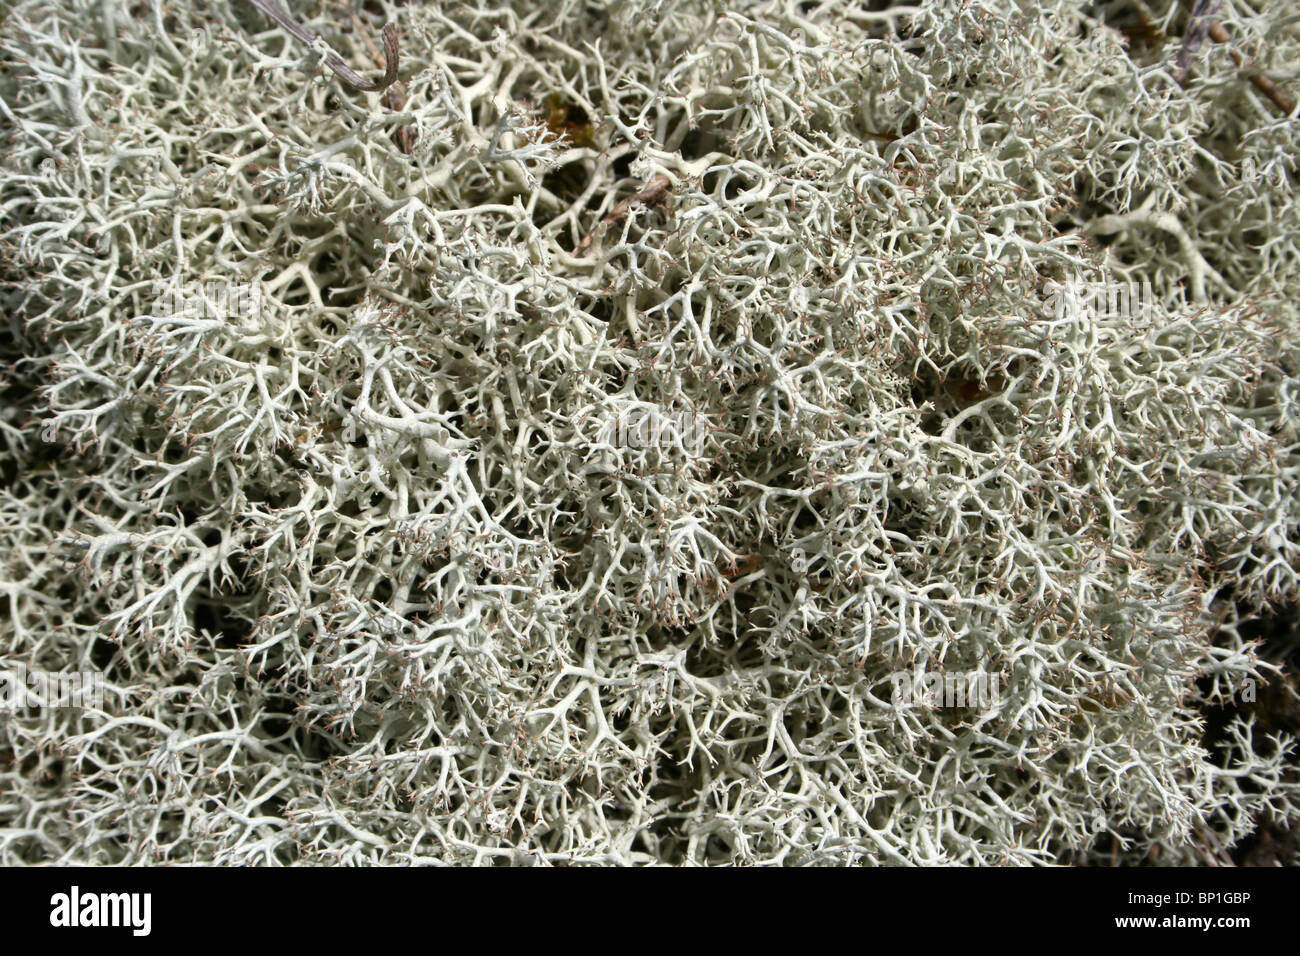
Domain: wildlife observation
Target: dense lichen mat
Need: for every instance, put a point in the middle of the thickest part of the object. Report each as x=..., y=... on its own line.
x=561, y=455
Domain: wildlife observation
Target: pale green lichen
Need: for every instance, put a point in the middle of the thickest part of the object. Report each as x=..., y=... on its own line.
x=372, y=567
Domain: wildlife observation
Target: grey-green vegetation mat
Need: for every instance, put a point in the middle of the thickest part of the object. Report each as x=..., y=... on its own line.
x=376, y=570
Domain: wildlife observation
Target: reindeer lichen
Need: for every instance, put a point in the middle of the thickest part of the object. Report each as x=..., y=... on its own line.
x=560, y=461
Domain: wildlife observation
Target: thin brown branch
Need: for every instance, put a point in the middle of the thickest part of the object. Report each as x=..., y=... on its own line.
x=332, y=59
x=1201, y=26
x=395, y=95
x=1262, y=83
x=654, y=192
